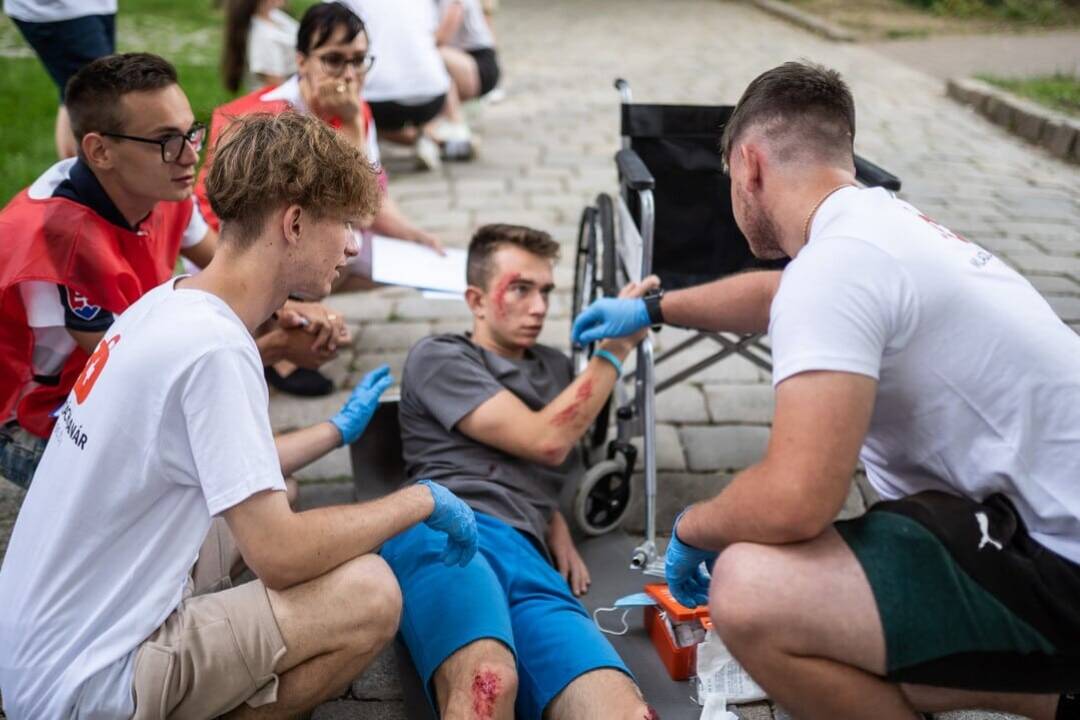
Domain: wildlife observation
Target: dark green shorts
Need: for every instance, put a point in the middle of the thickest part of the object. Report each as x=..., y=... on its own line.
x=967, y=599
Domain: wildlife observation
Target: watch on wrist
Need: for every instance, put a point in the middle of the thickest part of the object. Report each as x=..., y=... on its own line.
x=652, y=306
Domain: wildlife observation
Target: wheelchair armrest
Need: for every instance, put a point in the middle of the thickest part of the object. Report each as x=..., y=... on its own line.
x=632, y=170
x=873, y=175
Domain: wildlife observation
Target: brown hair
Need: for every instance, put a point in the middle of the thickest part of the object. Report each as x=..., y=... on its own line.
x=92, y=95
x=238, y=14
x=802, y=107
x=263, y=162
x=490, y=238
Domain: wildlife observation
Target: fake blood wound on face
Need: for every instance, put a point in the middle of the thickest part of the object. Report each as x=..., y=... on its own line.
x=485, y=689
x=499, y=295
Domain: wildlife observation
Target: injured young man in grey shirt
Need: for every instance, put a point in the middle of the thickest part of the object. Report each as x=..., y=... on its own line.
x=497, y=418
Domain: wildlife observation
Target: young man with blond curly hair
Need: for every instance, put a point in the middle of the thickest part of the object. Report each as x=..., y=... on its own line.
x=102, y=613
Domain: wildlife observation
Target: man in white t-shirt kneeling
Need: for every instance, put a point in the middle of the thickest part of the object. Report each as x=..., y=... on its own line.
x=104, y=611
x=898, y=343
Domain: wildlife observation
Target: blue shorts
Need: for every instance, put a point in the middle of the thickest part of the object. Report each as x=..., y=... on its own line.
x=509, y=593
x=66, y=46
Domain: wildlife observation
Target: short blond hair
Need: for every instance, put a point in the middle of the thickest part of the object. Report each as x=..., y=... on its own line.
x=264, y=162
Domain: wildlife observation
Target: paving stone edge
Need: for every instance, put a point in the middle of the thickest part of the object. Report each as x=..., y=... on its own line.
x=805, y=20
x=1057, y=133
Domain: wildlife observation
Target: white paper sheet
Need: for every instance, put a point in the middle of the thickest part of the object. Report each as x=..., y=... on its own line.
x=399, y=262
x=440, y=295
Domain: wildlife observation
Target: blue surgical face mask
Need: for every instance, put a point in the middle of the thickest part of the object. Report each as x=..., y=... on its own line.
x=636, y=600
x=625, y=603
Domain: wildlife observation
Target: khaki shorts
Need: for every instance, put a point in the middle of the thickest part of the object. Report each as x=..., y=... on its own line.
x=218, y=649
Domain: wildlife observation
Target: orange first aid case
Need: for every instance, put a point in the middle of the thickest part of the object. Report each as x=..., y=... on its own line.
x=679, y=661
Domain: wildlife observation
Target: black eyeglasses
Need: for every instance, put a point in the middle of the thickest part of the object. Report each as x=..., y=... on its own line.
x=172, y=146
x=334, y=63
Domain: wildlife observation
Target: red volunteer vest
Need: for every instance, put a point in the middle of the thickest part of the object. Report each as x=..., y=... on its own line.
x=223, y=116
x=60, y=241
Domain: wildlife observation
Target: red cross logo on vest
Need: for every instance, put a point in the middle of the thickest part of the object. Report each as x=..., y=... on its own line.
x=93, y=369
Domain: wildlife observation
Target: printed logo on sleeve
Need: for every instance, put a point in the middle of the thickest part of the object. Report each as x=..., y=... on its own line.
x=92, y=371
x=81, y=307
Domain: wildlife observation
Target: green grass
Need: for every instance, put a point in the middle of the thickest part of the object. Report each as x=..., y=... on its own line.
x=188, y=34
x=1034, y=12
x=1059, y=92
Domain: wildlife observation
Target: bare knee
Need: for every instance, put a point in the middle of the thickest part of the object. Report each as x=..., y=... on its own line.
x=492, y=682
x=736, y=604
x=478, y=680
x=369, y=596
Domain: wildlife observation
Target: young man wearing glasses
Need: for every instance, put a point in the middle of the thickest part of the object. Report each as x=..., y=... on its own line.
x=93, y=234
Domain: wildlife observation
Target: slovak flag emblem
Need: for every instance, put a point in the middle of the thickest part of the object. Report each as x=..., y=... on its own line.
x=81, y=307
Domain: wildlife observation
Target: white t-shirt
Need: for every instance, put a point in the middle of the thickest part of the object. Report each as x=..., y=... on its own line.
x=474, y=33
x=172, y=429
x=271, y=47
x=978, y=380
x=408, y=68
x=40, y=11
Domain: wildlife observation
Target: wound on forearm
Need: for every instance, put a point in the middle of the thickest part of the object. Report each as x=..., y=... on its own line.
x=570, y=413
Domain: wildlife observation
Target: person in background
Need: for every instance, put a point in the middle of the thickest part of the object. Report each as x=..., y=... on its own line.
x=409, y=89
x=467, y=45
x=260, y=44
x=66, y=35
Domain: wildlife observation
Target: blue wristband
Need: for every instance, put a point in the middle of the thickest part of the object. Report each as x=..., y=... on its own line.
x=611, y=359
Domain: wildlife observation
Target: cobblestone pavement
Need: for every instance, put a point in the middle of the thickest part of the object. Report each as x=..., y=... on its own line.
x=1009, y=55
x=547, y=150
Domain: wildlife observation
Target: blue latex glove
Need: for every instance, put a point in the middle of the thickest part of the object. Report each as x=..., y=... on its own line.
x=610, y=318
x=356, y=413
x=456, y=519
x=686, y=579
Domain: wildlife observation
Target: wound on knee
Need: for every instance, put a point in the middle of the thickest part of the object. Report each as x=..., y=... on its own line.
x=485, y=691
x=651, y=714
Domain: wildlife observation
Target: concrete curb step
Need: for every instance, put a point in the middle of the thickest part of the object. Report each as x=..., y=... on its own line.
x=805, y=20
x=1057, y=133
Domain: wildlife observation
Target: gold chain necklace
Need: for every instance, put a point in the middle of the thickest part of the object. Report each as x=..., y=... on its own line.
x=813, y=210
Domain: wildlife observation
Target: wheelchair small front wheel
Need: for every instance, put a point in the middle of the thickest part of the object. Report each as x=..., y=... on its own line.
x=602, y=497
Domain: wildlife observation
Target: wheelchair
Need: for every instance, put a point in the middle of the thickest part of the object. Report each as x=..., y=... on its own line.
x=672, y=217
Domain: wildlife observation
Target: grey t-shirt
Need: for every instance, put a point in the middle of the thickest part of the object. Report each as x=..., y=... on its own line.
x=446, y=377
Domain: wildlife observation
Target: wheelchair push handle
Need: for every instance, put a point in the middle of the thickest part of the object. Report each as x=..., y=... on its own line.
x=872, y=175
x=624, y=90
x=632, y=170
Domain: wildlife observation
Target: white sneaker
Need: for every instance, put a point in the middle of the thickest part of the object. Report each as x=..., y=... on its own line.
x=427, y=154
x=460, y=150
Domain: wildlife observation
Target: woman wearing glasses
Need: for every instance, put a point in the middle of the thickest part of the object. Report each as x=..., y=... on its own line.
x=332, y=63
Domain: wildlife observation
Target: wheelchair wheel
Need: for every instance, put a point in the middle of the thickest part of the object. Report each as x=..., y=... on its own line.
x=602, y=497
x=594, y=277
